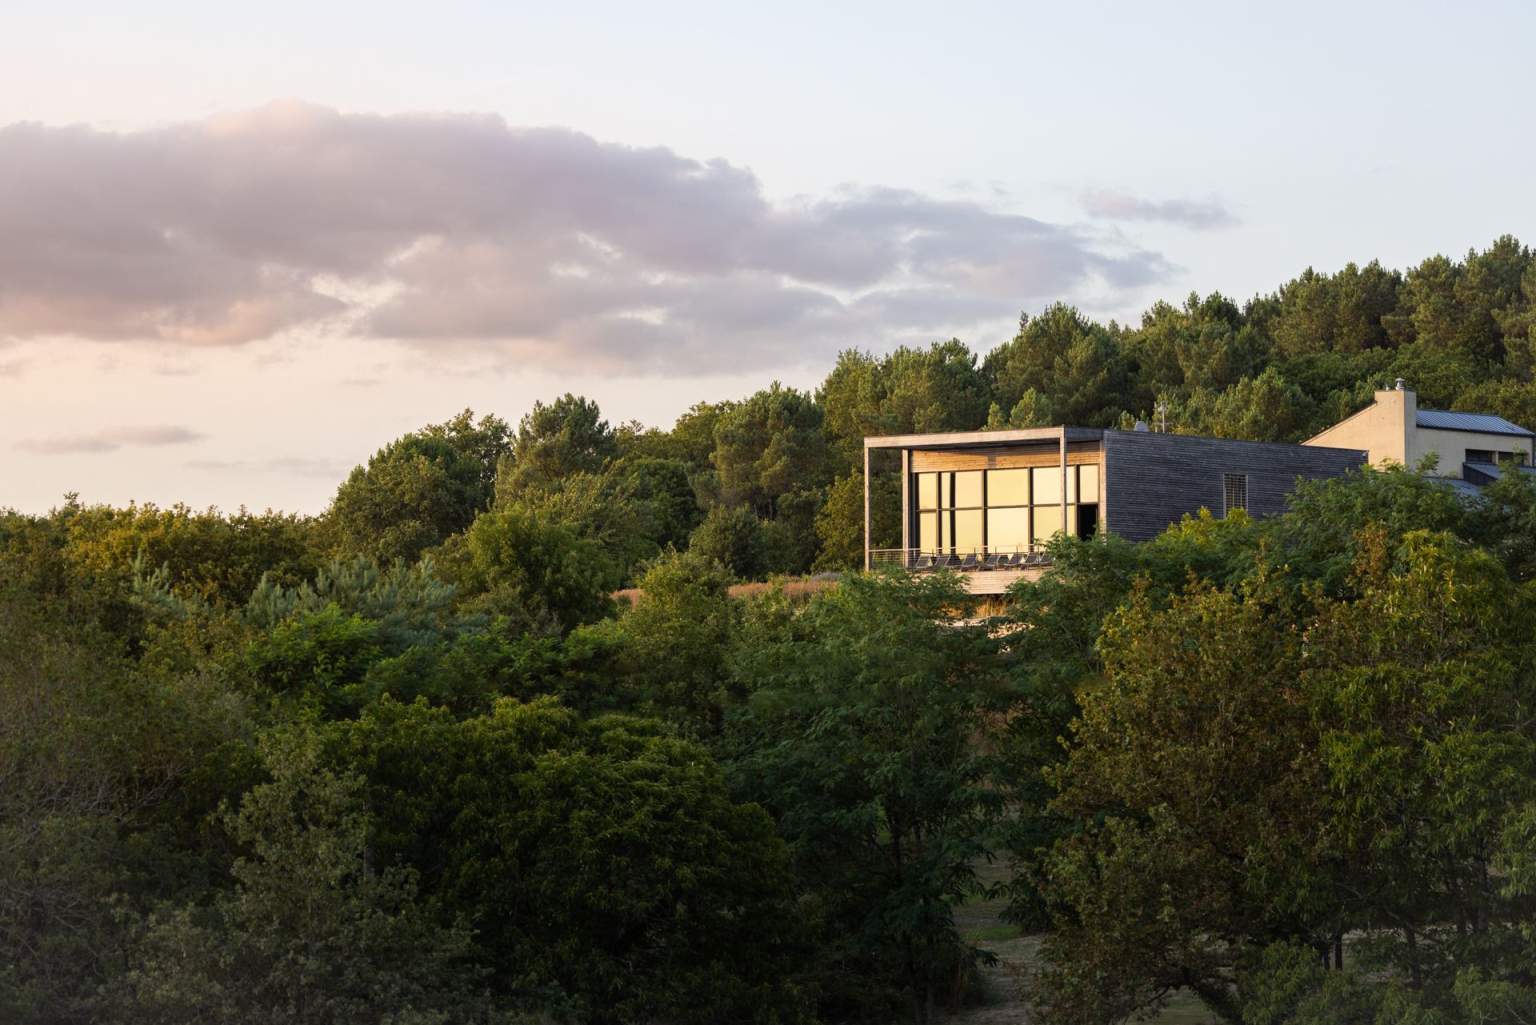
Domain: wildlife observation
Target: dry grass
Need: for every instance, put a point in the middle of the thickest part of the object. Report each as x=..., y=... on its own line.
x=798, y=587
x=802, y=587
x=991, y=607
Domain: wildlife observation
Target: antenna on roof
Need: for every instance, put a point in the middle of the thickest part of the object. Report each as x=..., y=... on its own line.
x=1402, y=385
x=1161, y=409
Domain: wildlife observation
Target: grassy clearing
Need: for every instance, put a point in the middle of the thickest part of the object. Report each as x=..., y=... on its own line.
x=1000, y=933
x=1002, y=998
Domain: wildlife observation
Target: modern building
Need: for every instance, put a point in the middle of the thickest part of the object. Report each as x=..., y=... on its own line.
x=1466, y=446
x=986, y=502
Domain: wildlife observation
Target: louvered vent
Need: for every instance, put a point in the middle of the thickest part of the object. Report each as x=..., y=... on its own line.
x=1234, y=492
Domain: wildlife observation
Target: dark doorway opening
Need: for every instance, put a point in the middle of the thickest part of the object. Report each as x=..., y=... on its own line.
x=1087, y=520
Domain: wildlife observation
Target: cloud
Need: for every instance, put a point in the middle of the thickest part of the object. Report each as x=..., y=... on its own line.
x=543, y=243
x=110, y=439
x=1122, y=206
x=300, y=466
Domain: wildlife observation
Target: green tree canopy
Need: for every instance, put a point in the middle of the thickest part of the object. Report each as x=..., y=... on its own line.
x=676, y=638
x=606, y=870
x=1342, y=312
x=1420, y=691
x=733, y=538
x=1176, y=768
x=523, y=563
x=769, y=446
x=908, y=391
x=840, y=521
x=311, y=933
x=861, y=735
x=419, y=490
x=1071, y=361
x=566, y=436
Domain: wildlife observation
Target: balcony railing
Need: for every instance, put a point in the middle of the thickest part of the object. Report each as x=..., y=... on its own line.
x=965, y=561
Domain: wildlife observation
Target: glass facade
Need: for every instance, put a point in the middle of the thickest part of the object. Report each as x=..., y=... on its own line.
x=961, y=512
x=1045, y=485
x=1008, y=487
x=1047, y=522
x=1084, y=486
x=1008, y=529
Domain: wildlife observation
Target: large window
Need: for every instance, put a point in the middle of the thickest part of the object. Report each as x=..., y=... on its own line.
x=1008, y=494
x=971, y=511
x=951, y=511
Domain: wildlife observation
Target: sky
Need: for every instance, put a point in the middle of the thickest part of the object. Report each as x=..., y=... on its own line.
x=243, y=247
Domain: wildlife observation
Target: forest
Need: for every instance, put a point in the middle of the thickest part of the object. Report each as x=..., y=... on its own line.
x=492, y=739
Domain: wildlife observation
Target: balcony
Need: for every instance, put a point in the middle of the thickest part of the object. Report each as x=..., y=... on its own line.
x=985, y=570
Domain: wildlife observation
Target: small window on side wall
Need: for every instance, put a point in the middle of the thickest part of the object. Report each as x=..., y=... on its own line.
x=1234, y=492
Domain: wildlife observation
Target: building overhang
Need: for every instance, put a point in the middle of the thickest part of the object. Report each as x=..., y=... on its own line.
x=983, y=439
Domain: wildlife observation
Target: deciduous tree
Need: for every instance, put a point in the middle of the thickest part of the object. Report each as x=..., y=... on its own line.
x=863, y=735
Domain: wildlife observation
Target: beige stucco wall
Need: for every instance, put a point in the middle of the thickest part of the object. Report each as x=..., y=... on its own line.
x=1387, y=431
x=1382, y=428
x=1451, y=447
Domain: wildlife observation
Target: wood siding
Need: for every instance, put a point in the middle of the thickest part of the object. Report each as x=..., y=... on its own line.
x=1046, y=454
x=1151, y=480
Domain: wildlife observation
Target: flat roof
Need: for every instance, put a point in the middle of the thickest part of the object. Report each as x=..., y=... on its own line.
x=993, y=439
x=1463, y=488
x=984, y=439
x=1494, y=470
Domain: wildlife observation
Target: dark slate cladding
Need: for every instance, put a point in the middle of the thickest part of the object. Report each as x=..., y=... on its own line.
x=1151, y=480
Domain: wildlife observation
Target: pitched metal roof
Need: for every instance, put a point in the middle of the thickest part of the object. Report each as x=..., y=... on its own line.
x=1478, y=423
